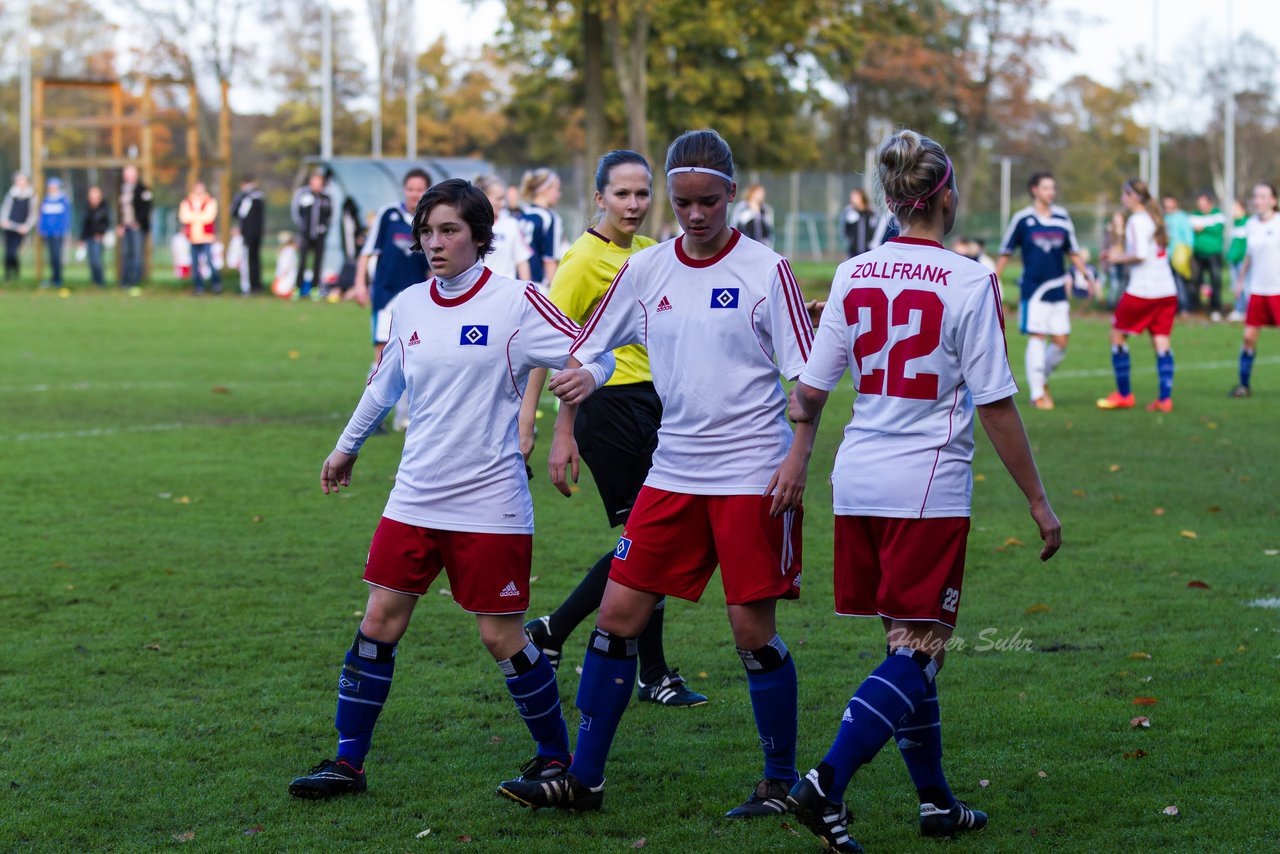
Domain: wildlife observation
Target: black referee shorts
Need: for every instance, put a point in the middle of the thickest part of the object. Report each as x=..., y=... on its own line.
x=617, y=433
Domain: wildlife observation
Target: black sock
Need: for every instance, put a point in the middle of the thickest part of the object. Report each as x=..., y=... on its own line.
x=653, y=658
x=582, y=602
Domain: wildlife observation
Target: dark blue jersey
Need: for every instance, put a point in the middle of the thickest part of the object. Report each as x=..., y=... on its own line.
x=1045, y=243
x=399, y=267
x=543, y=232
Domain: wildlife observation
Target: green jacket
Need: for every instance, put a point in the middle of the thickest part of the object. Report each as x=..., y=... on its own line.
x=1235, y=255
x=1208, y=229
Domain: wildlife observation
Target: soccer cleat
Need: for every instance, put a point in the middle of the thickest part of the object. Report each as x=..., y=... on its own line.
x=1116, y=400
x=670, y=690
x=1164, y=404
x=1045, y=403
x=563, y=791
x=829, y=821
x=330, y=778
x=947, y=823
x=543, y=768
x=1239, y=391
x=539, y=631
x=769, y=798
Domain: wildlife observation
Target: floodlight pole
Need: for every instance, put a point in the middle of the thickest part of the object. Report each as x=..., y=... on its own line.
x=1006, y=189
x=1229, y=142
x=24, y=85
x=326, y=82
x=1153, y=142
x=411, y=107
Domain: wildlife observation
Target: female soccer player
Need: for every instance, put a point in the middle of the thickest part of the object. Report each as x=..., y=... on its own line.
x=543, y=228
x=461, y=344
x=511, y=253
x=1262, y=267
x=714, y=310
x=1150, y=300
x=922, y=332
x=617, y=427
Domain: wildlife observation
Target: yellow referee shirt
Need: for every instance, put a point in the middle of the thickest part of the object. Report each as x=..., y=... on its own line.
x=584, y=275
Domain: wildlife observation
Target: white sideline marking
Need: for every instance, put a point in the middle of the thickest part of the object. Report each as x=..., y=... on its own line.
x=144, y=385
x=102, y=432
x=1273, y=602
x=1178, y=367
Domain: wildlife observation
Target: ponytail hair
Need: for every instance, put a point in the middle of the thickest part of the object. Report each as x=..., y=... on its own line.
x=702, y=149
x=613, y=159
x=913, y=170
x=1140, y=189
x=535, y=181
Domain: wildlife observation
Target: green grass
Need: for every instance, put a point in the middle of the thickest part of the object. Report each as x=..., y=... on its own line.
x=177, y=596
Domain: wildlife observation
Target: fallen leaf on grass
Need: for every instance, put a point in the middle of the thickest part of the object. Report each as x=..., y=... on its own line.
x=423, y=833
x=71, y=587
x=1013, y=541
x=496, y=739
x=1218, y=661
x=1198, y=585
x=464, y=838
x=221, y=389
x=790, y=828
x=1170, y=810
x=702, y=674
x=445, y=591
x=1041, y=774
x=1190, y=535
x=1144, y=701
x=1140, y=656
x=1241, y=648
x=293, y=354
x=183, y=499
x=979, y=477
x=640, y=843
x=154, y=647
x=254, y=831
x=1135, y=754
x=1037, y=608
x=534, y=578
x=984, y=783
x=1114, y=467
x=1079, y=493
x=1215, y=509
x=1212, y=425
x=1141, y=721
x=257, y=518
x=1159, y=511
x=165, y=495
x=357, y=613
x=61, y=565
x=185, y=837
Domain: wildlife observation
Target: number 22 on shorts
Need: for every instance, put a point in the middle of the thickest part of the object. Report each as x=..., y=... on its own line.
x=894, y=382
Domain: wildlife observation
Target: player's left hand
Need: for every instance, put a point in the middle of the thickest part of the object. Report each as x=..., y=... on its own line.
x=563, y=455
x=787, y=485
x=1050, y=528
x=336, y=471
x=815, y=307
x=573, y=386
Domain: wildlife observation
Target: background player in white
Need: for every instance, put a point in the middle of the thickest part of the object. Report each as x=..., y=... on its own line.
x=1150, y=300
x=511, y=253
x=1262, y=267
x=714, y=310
x=461, y=347
x=396, y=266
x=1045, y=237
x=922, y=331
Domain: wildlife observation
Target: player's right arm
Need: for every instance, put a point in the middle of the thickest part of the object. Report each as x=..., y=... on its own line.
x=1004, y=427
x=384, y=388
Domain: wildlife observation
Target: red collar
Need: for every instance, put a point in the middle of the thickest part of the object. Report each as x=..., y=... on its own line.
x=450, y=302
x=707, y=262
x=915, y=241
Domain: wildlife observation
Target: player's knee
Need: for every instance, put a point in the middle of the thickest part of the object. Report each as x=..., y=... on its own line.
x=503, y=638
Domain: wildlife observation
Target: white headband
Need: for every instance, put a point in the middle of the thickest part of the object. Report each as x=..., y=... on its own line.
x=704, y=171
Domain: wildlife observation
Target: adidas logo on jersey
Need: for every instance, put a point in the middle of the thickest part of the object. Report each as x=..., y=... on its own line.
x=664, y=304
x=510, y=590
x=414, y=339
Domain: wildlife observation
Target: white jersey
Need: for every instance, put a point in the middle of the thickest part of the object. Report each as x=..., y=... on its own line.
x=509, y=246
x=1262, y=247
x=1151, y=277
x=462, y=352
x=713, y=329
x=922, y=331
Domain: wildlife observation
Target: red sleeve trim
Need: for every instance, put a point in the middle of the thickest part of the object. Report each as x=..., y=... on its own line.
x=795, y=308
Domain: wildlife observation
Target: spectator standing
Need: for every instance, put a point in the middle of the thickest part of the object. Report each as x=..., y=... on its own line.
x=55, y=224
x=1177, y=224
x=94, y=226
x=1206, y=256
x=511, y=254
x=754, y=218
x=133, y=225
x=859, y=222
x=312, y=209
x=199, y=213
x=1235, y=261
x=18, y=214
x=249, y=207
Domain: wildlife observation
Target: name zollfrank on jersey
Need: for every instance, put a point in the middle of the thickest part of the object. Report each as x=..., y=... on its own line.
x=921, y=330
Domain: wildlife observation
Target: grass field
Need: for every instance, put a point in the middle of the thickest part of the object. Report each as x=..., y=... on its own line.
x=177, y=596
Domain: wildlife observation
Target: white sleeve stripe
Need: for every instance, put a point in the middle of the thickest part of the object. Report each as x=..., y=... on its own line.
x=371, y=239
x=594, y=319
x=1005, y=247
x=550, y=313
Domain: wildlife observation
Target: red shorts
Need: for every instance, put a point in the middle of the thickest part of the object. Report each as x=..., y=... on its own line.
x=488, y=573
x=673, y=541
x=1264, y=310
x=904, y=569
x=1136, y=315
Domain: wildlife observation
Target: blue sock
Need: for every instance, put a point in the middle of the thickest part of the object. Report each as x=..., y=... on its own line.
x=1246, y=365
x=1164, y=369
x=771, y=678
x=894, y=689
x=1120, y=364
x=919, y=738
x=608, y=678
x=532, y=682
x=362, y=690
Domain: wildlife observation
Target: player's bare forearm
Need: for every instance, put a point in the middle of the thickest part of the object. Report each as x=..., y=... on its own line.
x=807, y=403
x=529, y=410
x=1001, y=263
x=1004, y=427
x=564, y=450
x=788, y=482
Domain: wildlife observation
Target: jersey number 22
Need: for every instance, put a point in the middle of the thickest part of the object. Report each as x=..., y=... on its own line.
x=894, y=382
